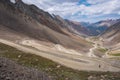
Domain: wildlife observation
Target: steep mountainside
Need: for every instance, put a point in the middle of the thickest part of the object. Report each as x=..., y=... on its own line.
x=19, y=21
x=112, y=35
x=91, y=29
x=99, y=27
x=78, y=28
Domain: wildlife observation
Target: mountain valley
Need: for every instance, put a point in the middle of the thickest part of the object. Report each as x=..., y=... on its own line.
x=56, y=48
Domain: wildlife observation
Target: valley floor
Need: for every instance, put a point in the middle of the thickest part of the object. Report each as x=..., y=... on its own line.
x=75, y=61
x=13, y=62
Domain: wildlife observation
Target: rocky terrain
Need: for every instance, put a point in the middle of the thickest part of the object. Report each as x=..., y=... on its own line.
x=111, y=39
x=17, y=20
x=10, y=70
x=35, y=45
x=91, y=29
x=99, y=27
x=17, y=65
x=112, y=34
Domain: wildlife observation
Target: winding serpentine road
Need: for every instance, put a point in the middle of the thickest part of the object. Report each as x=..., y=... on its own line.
x=74, y=61
x=91, y=50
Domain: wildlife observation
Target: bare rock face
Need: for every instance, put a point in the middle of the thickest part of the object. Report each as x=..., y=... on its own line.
x=18, y=2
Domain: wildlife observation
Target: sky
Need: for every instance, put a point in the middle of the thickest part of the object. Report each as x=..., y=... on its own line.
x=80, y=10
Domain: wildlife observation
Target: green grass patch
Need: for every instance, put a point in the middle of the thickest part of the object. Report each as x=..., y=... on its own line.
x=48, y=66
x=116, y=54
x=103, y=50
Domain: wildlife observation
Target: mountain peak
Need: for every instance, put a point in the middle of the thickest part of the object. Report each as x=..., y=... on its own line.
x=19, y=2
x=16, y=1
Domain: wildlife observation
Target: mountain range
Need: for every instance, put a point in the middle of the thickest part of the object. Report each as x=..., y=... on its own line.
x=17, y=20
x=92, y=29
x=112, y=36
x=20, y=21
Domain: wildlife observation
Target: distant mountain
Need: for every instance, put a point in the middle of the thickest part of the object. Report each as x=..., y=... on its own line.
x=92, y=29
x=99, y=27
x=20, y=21
x=78, y=28
x=112, y=35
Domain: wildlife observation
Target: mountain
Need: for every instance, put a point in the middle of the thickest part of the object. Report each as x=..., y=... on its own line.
x=106, y=23
x=91, y=29
x=111, y=36
x=99, y=27
x=65, y=26
x=78, y=28
x=20, y=21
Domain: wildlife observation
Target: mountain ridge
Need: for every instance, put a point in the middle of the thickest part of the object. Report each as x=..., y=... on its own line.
x=42, y=27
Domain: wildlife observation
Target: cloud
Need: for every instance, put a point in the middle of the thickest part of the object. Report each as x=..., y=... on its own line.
x=79, y=9
x=102, y=8
x=96, y=1
x=70, y=8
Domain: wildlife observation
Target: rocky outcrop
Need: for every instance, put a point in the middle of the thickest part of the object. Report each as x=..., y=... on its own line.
x=9, y=70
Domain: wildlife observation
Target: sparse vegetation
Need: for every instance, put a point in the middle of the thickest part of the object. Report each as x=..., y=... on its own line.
x=103, y=50
x=56, y=71
x=94, y=38
x=115, y=54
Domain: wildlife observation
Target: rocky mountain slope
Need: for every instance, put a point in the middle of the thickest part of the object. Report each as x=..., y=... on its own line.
x=91, y=29
x=10, y=70
x=18, y=65
x=20, y=21
x=99, y=27
x=78, y=28
x=111, y=36
x=41, y=36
